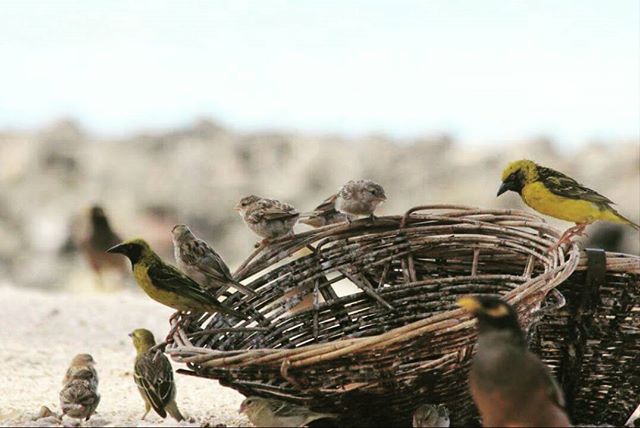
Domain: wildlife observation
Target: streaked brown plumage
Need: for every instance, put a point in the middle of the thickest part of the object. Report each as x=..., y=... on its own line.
x=153, y=375
x=509, y=384
x=269, y=412
x=431, y=415
x=79, y=396
x=201, y=262
x=325, y=214
x=267, y=218
x=360, y=197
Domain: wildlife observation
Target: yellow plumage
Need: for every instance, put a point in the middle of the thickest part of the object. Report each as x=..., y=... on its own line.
x=557, y=195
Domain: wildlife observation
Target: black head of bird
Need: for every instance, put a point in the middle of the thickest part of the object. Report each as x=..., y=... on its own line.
x=134, y=250
x=492, y=313
x=516, y=175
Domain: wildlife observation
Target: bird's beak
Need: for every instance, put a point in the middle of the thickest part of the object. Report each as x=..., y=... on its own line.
x=130, y=334
x=237, y=207
x=469, y=303
x=118, y=249
x=505, y=186
x=242, y=408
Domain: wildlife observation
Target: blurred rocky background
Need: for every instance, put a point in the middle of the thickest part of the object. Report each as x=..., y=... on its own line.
x=149, y=181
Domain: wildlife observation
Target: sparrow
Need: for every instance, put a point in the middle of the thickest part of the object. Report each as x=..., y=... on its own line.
x=431, y=415
x=267, y=218
x=268, y=412
x=79, y=396
x=557, y=195
x=326, y=214
x=153, y=375
x=509, y=384
x=201, y=263
x=359, y=198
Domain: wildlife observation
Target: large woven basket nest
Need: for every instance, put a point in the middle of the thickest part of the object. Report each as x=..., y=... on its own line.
x=396, y=339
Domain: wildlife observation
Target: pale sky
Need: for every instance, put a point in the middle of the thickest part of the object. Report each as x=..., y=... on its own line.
x=480, y=70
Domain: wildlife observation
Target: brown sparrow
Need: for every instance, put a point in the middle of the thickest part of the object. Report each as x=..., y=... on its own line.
x=325, y=214
x=267, y=218
x=360, y=198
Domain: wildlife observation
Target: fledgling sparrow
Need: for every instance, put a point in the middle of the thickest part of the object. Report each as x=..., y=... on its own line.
x=267, y=218
x=431, y=415
x=325, y=214
x=202, y=263
x=268, y=412
x=79, y=396
x=360, y=198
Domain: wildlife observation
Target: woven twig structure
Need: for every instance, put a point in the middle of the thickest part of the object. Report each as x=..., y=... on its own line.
x=381, y=333
x=593, y=342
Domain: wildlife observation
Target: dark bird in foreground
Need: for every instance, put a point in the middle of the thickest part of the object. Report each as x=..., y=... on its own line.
x=325, y=214
x=557, y=195
x=267, y=218
x=431, y=415
x=509, y=384
x=79, y=396
x=153, y=375
x=360, y=198
x=202, y=264
x=166, y=284
x=100, y=237
x=268, y=412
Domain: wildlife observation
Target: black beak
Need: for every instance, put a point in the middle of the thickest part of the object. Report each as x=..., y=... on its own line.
x=118, y=249
x=507, y=185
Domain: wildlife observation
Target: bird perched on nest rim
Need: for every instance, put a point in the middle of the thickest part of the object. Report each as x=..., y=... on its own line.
x=431, y=415
x=202, y=264
x=166, y=284
x=79, y=396
x=267, y=218
x=359, y=198
x=269, y=412
x=325, y=214
x=100, y=237
x=509, y=384
x=153, y=375
x=553, y=193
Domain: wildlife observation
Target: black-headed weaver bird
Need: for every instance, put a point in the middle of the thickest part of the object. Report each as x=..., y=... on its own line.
x=166, y=284
x=509, y=384
x=153, y=375
x=557, y=195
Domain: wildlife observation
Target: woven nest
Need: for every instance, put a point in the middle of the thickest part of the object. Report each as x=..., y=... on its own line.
x=381, y=333
x=593, y=343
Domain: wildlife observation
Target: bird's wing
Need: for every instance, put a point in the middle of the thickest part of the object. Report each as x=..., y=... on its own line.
x=277, y=213
x=170, y=279
x=212, y=264
x=80, y=392
x=327, y=205
x=563, y=185
x=550, y=385
x=154, y=377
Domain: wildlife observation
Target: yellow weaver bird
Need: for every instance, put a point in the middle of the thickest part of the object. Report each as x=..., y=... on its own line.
x=166, y=284
x=552, y=193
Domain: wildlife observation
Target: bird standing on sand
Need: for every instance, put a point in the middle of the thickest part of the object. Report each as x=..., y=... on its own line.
x=153, y=375
x=166, y=284
x=360, y=198
x=431, y=415
x=326, y=214
x=201, y=263
x=267, y=218
x=509, y=384
x=79, y=396
x=100, y=237
x=268, y=412
x=552, y=193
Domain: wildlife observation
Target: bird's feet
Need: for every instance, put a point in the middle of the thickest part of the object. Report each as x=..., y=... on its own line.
x=577, y=230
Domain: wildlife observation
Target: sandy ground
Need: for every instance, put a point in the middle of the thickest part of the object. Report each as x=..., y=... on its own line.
x=40, y=333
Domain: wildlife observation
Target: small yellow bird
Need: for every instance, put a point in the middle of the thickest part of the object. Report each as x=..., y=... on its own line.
x=153, y=375
x=166, y=284
x=552, y=193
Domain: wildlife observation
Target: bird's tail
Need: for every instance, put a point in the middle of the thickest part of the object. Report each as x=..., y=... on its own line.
x=172, y=409
x=619, y=218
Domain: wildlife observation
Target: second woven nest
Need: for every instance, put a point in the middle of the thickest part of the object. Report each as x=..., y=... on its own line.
x=360, y=319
